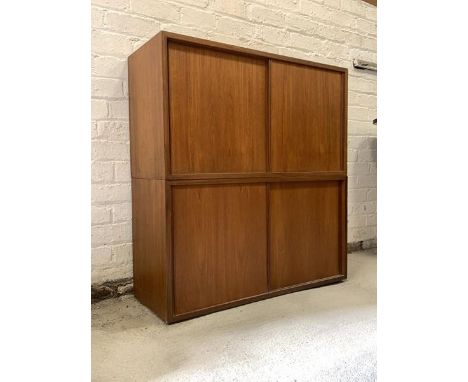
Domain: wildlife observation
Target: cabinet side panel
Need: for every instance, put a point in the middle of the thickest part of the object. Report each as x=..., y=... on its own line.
x=149, y=244
x=146, y=103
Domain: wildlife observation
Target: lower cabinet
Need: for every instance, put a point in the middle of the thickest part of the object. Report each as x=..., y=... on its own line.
x=205, y=247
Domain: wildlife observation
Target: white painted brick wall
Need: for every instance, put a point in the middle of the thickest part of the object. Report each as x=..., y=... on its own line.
x=327, y=31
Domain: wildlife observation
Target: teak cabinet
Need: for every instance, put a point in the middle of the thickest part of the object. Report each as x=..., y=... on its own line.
x=239, y=183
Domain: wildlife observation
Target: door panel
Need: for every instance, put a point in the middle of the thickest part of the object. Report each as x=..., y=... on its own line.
x=219, y=244
x=218, y=105
x=305, y=232
x=306, y=118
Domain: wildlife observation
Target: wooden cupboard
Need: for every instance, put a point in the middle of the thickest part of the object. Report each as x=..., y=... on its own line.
x=239, y=183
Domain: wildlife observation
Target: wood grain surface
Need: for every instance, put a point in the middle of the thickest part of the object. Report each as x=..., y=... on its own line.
x=238, y=162
x=146, y=110
x=149, y=244
x=305, y=232
x=220, y=244
x=218, y=104
x=306, y=118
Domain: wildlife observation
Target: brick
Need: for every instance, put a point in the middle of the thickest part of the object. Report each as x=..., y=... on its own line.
x=367, y=156
x=260, y=14
x=332, y=3
x=304, y=24
x=300, y=23
x=358, y=113
x=370, y=207
x=102, y=150
x=373, y=168
x=189, y=31
x=111, y=234
x=352, y=155
x=101, y=255
x=361, y=127
x=201, y=19
x=366, y=55
x=133, y=25
x=361, y=233
x=102, y=172
x=122, y=172
x=121, y=212
x=294, y=53
x=371, y=13
x=355, y=142
x=356, y=221
x=367, y=181
x=97, y=17
x=106, y=87
x=107, y=66
x=263, y=46
x=372, y=143
x=358, y=168
x=122, y=254
x=353, y=39
x=123, y=5
x=275, y=35
x=371, y=220
x=308, y=43
x=369, y=43
x=100, y=274
x=361, y=208
x=335, y=50
x=366, y=26
x=354, y=208
x=372, y=114
x=94, y=130
x=235, y=8
x=198, y=3
x=157, y=9
x=361, y=85
x=98, y=109
x=357, y=195
x=118, y=109
x=315, y=10
x=111, y=43
x=100, y=215
x=372, y=194
x=108, y=193
x=235, y=28
x=364, y=100
x=113, y=130
x=343, y=19
x=354, y=6
x=353, y=182
x=290, y=5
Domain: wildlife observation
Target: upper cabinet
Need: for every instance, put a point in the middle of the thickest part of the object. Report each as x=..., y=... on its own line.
x=218, y=111
x=200, y=109
x=307, y=127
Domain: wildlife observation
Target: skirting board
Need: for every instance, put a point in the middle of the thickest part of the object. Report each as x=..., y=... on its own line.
x=120, y=287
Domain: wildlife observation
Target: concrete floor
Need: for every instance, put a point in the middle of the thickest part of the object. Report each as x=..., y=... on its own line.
x=322, y=334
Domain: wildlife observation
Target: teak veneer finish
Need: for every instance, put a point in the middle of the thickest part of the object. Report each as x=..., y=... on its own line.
x=218, y=104
x=239, y=183
x=220, y=246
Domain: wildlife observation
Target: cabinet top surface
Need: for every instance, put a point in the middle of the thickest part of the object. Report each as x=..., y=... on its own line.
x=170, y=36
